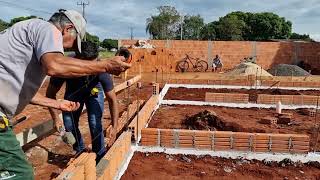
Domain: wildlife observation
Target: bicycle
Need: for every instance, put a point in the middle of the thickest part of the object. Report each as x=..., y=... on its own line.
x=199, y=65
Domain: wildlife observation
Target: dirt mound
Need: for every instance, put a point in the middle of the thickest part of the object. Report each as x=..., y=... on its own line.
x=205, y=120
x=247, y=68
x=287, y=70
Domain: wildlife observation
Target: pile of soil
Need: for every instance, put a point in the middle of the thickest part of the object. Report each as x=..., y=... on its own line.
x=205, y=120
x=191, y=167
x=248, y=68
x=288, y=70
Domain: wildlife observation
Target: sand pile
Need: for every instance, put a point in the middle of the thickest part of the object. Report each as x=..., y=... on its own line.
x=288, y=70
x=248, y=68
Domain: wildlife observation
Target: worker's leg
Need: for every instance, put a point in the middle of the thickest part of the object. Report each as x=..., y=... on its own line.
x=95, y=107
x=71, y=123
x=13, y=163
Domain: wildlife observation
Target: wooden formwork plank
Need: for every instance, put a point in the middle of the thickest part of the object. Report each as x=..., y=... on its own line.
x=124, y=118
x=85, y=160
x=90, y=167
x=125, y=84
x=143, y=116
x=78, y=173
x=115, y=157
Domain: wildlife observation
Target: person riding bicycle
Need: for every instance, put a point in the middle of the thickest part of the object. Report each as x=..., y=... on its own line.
x=217, y=63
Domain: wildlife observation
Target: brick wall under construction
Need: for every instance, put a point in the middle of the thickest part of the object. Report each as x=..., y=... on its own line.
x=225, y=140
x=268, y=54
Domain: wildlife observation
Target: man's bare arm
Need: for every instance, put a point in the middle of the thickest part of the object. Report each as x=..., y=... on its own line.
x=113, y=107
x=64, y=105
x=52, y=91
x=56, y=64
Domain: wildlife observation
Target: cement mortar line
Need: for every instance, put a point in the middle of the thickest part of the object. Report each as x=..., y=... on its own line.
x=206, y=86
x=277, y=157
x=233, y=105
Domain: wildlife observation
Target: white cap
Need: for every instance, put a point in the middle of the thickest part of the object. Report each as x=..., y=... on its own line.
x=79, y=23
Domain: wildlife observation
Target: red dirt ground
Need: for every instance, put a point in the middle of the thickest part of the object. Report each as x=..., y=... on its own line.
x=233, y=119
x=199, y=94
x=175, y=167
x=60, y=153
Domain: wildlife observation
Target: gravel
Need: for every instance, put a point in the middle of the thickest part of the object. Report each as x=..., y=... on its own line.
x=287, y=70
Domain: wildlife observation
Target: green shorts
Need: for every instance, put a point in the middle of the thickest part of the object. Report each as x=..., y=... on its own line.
x=13, y=162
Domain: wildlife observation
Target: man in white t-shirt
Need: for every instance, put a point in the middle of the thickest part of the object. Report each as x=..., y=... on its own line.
x=29, y=51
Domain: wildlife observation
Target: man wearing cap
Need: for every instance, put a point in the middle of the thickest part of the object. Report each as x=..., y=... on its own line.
x=29, y=51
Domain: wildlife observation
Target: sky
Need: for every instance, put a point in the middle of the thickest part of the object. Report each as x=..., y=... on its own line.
x=113, y=19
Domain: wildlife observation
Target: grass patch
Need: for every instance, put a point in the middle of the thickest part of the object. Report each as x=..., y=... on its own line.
x=106, y=54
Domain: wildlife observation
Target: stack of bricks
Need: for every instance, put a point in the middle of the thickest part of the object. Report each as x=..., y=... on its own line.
x=225, y=140
x=227, y=97
x=82, y=168
x=287, y=99
x=127, y=83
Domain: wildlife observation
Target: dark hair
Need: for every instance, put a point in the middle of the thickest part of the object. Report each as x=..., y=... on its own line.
x=124, y=52
x=89, y=51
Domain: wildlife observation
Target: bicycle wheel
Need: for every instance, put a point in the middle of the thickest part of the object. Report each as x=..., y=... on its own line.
x=183, y=66
x=201, y=66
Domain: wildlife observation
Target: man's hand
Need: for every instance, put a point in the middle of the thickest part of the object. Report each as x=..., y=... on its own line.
x=117, y=65
x=57, y=122
x=65, y=105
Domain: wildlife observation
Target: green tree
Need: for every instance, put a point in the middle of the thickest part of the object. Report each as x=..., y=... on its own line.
x=248, y=26
x=3, y=25
x=109, y=43
x=22, y=18
x=92, y=38
x=208, y=31
x=304, y=37
x=265, y=26
x=192, y=27
x=165, y=24
x=230, y=28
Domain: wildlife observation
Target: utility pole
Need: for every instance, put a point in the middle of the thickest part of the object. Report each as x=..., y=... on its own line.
x=182, y=19
x=83, y=4
x=131, y=33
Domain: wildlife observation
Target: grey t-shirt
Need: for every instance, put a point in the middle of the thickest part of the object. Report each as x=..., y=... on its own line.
x=21, y=74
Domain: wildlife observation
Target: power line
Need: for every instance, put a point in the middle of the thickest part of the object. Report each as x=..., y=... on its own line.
x=10, y=4
x=83, y=4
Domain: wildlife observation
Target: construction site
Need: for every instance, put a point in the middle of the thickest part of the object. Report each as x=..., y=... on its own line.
x=251, y=119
